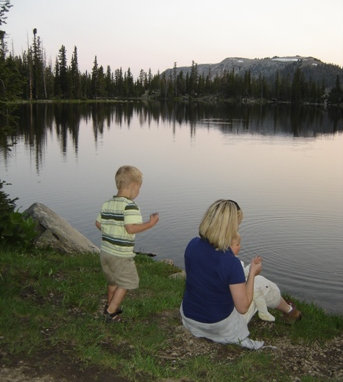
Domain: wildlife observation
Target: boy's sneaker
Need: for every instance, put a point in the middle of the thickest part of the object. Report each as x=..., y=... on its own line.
x=120, y=310
x=293, y=315
x=113, y=317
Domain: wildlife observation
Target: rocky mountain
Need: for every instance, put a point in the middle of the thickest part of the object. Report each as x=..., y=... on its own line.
x=311, y=67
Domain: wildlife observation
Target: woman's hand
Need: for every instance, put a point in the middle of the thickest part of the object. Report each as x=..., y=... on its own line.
x=256, y=266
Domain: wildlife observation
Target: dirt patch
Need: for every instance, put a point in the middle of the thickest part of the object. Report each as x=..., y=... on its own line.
x=52, y=366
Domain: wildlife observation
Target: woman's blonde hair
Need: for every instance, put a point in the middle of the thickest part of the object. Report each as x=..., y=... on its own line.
x=127, y=175
x=220, y=223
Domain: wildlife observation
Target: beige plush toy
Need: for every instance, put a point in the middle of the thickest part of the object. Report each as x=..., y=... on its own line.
x=266, y=295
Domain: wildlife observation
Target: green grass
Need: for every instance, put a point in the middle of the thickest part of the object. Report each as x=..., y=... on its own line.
x=54, y=302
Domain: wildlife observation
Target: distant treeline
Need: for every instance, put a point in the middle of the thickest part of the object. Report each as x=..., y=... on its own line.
x=29, y=77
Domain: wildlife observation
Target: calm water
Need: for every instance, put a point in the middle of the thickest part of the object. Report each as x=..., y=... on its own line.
x=284, y=166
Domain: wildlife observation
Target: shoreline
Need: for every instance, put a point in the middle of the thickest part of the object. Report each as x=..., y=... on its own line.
x=210, y=100
x=58, y=302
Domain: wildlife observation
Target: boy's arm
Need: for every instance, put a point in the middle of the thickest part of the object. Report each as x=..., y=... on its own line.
x=98, y=225
x=137, y=228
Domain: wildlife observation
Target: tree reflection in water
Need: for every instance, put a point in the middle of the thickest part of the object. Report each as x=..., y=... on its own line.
x=33, y=122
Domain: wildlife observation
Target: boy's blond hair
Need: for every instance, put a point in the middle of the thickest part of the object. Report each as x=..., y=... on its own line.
x=220, y=223
x=127, y=175
x=236, y=238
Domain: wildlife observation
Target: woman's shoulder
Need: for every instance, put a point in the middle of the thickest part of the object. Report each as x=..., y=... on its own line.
x=197, y=245
x=228, y=257
x=194, y=240
x=198, y=242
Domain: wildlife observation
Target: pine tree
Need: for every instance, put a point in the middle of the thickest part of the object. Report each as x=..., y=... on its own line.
x=175, y=87
x=49, y=80
x=128, y=84
x=118, y=82
x=163, y=86
x=63, y=72
x=109, y=83
x=149, y=78
x=193, y=80
x=3, y=79
x=38, y=80
x=75, y=76
x=5, y=6
x=246, y=91
x=86, y=85
x=297, y=86
x=154, y=87
x=101, y=85
x=336, y=94
x=11, y=79
x=95, y=85
x=57, y=83
x=180, y=84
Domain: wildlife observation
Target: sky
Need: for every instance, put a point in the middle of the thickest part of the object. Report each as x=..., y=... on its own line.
x=155, y=34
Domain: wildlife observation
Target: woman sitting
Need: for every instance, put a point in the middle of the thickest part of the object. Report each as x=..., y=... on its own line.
x=217, y=294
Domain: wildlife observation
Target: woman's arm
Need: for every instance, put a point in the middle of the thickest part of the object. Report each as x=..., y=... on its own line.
x=242, y=294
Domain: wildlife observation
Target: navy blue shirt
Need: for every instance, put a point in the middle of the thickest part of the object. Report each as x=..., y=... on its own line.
x=207, y=296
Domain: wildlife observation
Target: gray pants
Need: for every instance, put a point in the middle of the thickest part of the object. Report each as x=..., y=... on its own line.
x=231, y=330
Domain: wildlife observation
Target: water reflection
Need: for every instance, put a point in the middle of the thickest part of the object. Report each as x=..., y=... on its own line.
x=35, y=122
x=289, y=186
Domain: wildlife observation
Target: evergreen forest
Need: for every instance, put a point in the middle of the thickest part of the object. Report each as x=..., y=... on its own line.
x=29, y=77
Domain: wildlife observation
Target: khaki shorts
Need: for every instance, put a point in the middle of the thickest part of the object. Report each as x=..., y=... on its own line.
x=120, y=271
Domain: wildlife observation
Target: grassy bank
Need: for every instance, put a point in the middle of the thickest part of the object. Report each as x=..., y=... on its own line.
x=51, y=317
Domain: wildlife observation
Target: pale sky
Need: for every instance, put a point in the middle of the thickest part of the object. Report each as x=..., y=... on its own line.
x=143, y=34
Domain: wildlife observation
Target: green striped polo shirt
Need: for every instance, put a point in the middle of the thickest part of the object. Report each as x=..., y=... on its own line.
x=114, y=215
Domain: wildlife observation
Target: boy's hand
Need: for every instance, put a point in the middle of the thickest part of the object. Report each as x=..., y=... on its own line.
x=154, y=218
x=256, y=265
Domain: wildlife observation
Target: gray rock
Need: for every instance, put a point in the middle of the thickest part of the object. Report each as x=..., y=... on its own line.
x=178, y=275
x=167, y=261
x=56, y=233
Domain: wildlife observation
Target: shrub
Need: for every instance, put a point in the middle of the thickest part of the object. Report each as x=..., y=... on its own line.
x=7, y=205
x=15, y=229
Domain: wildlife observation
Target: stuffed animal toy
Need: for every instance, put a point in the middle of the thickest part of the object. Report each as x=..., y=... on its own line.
x=266, y=295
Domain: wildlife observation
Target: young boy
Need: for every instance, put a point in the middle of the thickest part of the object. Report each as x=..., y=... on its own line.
x=266, y=294
x=119, y=220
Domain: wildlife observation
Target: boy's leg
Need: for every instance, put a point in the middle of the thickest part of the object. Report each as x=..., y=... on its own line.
x=110, y=293
x=117, y=299
x=290, y=312
x=284, y=306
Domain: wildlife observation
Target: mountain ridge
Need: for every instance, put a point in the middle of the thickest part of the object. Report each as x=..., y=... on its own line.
x=312, y=68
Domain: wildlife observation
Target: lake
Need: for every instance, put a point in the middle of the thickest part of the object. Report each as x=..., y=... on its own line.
x=283, y=165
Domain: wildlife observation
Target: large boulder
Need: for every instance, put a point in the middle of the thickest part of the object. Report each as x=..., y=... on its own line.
x=56, y=233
